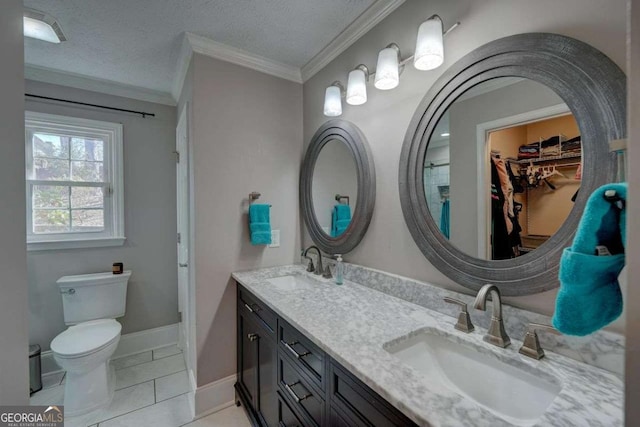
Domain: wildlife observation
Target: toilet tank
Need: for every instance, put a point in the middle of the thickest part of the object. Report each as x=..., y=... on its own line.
x=93, y=296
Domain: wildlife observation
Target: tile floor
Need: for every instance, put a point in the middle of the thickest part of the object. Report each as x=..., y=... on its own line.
x=151, y=390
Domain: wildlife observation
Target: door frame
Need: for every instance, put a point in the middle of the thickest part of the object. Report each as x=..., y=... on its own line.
x=184, y=212
x=483, y=130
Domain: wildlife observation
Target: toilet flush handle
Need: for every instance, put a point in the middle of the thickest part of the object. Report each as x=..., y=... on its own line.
x=69, y=291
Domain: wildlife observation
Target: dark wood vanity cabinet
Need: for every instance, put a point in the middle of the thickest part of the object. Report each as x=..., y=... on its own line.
x=284, y=380
x=257, y=366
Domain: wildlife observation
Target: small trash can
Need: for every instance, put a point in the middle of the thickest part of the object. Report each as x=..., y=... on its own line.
x=35, y=374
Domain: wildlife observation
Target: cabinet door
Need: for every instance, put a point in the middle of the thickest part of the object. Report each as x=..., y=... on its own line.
x=257, y=366
x=247, y=356
x=267, y=405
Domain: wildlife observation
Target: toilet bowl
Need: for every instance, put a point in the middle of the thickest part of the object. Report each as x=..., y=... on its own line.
x=91, y=303
x=84, y=352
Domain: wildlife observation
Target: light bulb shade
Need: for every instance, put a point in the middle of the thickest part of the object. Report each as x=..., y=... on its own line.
x=387, y=70
x=429, y=46
x=39, y=25
x=332, y=102
x=357, y=87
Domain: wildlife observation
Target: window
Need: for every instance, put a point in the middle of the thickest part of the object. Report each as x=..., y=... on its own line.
x=74, y=182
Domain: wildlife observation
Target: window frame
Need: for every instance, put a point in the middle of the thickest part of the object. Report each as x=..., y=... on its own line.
x=112, y=135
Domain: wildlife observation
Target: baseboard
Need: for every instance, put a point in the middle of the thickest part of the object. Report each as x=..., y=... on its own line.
x=48, y=365
x=136, y=342
x=214, y=396
x=150, y=339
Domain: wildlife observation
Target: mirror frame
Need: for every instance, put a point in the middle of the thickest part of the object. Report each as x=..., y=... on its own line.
x=349, y=134
x=594, y=89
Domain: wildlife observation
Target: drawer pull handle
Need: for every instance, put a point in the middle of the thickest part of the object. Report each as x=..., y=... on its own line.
x=297, y=355
x=254, y=308
x=293, y=393
x=252, y=337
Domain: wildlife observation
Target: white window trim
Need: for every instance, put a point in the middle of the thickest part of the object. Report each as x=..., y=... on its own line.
x=114, y=234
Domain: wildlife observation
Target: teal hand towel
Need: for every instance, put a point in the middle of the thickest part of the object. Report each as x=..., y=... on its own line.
x=341, y=226
x=589, y=297
x=340, y=219
x=260, y=224
x=444, y=219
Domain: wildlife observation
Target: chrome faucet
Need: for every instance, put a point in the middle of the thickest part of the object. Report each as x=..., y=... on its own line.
x=496, y=334
x=319, y=269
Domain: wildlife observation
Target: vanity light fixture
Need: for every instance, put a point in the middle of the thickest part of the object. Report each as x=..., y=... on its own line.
x=429, y=54
x=429, y=45
x=357, y=85
x=444, y=134
x=39, y=25
x=388, y=68
x=333, y=100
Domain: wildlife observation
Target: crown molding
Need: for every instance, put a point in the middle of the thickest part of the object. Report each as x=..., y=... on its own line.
x=367, y=20
x=208, y=47
x=63, y=78
x=193, y=43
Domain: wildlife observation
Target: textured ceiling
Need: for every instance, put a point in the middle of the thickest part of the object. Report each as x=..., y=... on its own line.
x=137, y=42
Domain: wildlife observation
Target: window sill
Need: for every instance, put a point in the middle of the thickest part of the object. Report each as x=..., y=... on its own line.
x=75, y=244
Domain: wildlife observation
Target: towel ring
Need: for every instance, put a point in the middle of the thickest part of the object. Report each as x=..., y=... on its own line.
x=339, y=199
x=253, y=196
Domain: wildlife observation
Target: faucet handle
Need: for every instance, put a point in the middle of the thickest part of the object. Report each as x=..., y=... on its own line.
x=531, y=345
x=310, y=267
x=327, y=273
x=464, y=320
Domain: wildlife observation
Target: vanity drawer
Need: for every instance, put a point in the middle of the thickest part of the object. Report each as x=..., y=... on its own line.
x=256, y=307
x=286, y=416
x=303, y=397
x=361, y=405
x=305, y=355
x=338, y=419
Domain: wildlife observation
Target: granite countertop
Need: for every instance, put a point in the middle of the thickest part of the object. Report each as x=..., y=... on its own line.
x=352, y=323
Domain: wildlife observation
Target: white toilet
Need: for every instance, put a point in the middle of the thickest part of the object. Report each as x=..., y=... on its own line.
x=91, y=303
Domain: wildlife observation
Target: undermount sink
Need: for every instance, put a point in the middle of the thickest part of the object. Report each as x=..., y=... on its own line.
x=511, y=393
x=291, y=283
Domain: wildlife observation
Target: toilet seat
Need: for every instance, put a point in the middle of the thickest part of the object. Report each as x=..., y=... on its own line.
x=86, y=338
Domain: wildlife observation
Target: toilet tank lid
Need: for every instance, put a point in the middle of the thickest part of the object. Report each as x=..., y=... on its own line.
x=93, y=279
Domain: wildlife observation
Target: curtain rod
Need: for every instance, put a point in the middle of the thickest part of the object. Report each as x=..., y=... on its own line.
x=142, y=113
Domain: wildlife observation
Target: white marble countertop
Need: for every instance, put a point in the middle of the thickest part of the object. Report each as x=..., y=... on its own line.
x=351, y=323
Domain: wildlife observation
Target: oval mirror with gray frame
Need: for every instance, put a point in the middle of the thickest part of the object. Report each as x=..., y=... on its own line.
x=337, y=187
x=502, y=154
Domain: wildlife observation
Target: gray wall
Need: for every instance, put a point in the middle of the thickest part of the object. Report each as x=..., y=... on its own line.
x=246, y=136
x=384, y=118
x=14, y=373
x=632, y=300
x=335, y=173
x=150, y=220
